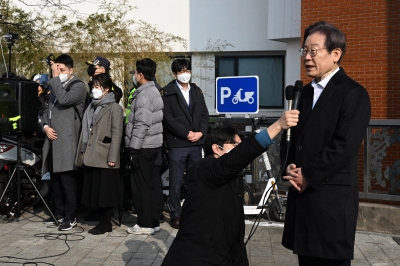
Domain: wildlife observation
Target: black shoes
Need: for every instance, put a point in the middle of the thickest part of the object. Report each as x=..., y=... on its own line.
x=175, y=223
x=67, y=225
x=96, y=231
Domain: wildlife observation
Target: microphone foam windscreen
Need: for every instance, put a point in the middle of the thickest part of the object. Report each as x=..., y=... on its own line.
x=299, y=84
x=289, y=92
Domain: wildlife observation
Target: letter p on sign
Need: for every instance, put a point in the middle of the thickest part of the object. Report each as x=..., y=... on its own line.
x=225, y=93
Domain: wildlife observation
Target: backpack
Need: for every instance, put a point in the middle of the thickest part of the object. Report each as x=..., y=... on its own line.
x=88, y=99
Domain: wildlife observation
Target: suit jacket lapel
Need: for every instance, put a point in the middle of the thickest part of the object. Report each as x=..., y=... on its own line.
x=103, y=110
x=183, y=104
x=306, y=107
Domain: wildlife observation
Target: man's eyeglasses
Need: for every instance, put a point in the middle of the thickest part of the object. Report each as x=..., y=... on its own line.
x=222, y=148
x=312, y=51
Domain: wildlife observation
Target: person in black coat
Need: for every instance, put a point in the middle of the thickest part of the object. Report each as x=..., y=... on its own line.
x=185, y=125
x=212, y=222
x=322, y=207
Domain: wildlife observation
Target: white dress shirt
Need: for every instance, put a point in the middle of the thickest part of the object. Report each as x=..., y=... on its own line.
x=320, y=86
x=185, y=92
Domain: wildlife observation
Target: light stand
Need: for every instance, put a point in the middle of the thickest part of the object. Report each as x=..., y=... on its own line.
x=10, y=38
x=20, y=167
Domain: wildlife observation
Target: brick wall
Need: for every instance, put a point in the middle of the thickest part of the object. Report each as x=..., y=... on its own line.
x=372, y=29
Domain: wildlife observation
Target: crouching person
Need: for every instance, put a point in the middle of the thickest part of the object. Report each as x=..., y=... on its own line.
x=212, y=228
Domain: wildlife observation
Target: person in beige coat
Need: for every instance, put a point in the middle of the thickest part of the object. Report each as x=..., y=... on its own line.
x=99, y=153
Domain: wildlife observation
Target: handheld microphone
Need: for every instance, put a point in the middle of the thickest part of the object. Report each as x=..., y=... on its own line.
x=289, y=98
x=296, y=93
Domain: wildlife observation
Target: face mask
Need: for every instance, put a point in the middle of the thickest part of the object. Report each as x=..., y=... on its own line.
x=134, y=80
x=184, y=78
x=96, y=93
x=63, y=77
x=91, y=70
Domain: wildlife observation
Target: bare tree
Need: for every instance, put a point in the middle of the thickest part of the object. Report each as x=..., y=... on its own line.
x=108, y=32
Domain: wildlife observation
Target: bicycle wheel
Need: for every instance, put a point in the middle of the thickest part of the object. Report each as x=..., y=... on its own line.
x=248, y=196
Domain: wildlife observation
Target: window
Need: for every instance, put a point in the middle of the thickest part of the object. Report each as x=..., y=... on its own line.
x=269, y=70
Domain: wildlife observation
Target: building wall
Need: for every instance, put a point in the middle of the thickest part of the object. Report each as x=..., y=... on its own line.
x=372, y=28
x=252, y=27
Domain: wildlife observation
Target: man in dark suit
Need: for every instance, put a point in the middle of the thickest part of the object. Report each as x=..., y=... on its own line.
x=322, y=208
x=185, y=125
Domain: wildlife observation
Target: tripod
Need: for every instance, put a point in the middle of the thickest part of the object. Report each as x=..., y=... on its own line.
x=19, y=168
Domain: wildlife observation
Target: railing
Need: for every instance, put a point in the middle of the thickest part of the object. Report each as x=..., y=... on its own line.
x=380, y=162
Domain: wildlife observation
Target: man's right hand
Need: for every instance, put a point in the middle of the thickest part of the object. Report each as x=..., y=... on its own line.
x=190, y=135
x=50, y=133
x=54, y=69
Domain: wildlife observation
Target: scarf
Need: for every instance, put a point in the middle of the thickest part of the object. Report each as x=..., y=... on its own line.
x=90, y=116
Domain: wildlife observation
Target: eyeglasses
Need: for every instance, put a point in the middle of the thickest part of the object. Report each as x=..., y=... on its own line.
x=312, y=51
x=222, y=148
x=234, y=146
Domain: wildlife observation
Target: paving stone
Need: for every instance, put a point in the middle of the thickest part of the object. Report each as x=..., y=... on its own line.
x=142, y=259
x=24, y=237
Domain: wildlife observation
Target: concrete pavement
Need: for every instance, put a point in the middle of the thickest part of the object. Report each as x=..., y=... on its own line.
x=31, y=241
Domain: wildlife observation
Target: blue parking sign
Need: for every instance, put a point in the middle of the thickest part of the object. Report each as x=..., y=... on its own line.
x=237, y=95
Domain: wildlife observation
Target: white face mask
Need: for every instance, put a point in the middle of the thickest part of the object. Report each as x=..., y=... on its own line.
x=97, y=93
x=184, y=78
x=63, y=77
x=134, y=80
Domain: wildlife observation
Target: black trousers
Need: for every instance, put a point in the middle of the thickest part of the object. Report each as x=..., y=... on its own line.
x=65, y=194
x=143, y=189
x=313, y=261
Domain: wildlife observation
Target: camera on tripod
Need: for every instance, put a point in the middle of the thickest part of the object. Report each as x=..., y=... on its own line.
x=10, y=37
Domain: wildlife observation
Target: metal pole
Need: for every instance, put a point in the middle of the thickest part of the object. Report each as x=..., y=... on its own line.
x=9, y=57
x=19, y=168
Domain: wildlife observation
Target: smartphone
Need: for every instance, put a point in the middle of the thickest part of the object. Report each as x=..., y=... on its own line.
x=50, y=58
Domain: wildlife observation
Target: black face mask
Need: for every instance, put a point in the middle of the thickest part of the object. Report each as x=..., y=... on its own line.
x=91, y=70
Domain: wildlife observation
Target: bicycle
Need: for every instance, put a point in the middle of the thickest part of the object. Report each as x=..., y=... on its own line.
x=277, y=205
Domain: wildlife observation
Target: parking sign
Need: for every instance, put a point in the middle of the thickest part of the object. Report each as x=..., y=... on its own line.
x=237, y=95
